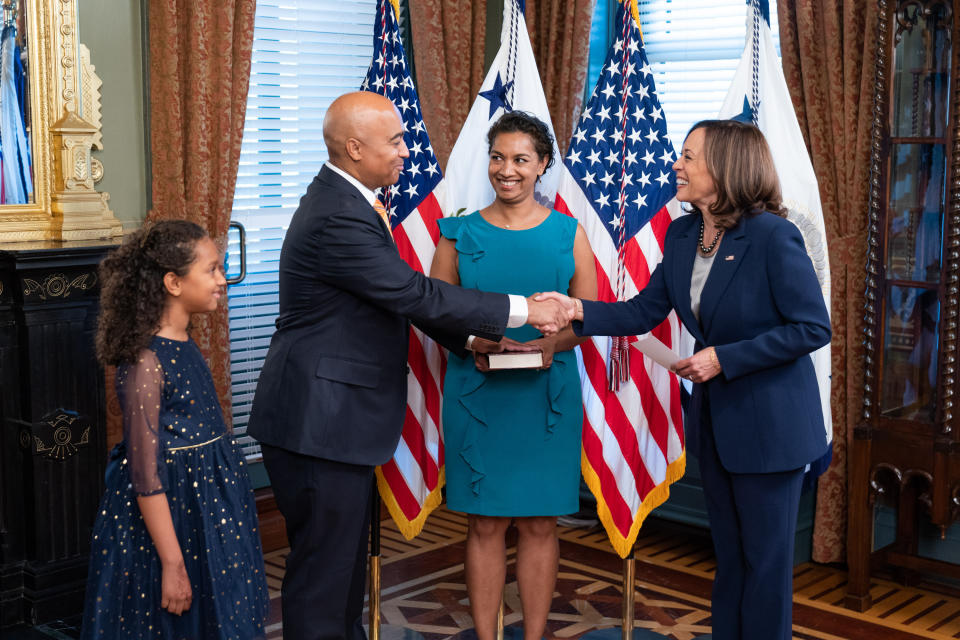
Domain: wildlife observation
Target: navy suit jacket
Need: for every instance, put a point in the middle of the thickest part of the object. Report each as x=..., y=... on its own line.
x=334, y=382
x=762, y=310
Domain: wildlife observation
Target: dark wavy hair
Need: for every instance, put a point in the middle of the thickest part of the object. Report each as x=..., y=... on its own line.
x=739, y=161
x=523, y=122
x=132, y=293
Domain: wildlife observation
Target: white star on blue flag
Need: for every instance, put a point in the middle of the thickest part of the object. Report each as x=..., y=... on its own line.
x=623, y=130
x=389, y=76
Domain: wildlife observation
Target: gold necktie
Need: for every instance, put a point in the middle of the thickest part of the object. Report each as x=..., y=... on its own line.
x=382, y=212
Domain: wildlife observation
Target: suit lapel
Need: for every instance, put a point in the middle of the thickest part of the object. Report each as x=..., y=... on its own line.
x=335, y=180
x=730, y=255
x=683, y=251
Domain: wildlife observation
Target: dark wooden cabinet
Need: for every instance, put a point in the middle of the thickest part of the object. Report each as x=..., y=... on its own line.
x=906, y=449
x=52, y=426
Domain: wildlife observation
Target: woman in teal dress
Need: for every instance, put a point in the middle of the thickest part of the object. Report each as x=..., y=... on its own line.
x=512, y=437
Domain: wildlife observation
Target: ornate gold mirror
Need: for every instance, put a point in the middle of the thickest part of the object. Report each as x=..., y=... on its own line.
x=49, y=126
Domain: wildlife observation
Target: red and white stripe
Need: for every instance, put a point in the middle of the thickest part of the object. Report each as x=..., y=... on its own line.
x=410, y=483
x=632, y=438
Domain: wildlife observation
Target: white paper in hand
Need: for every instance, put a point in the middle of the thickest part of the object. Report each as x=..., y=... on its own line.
x=657, y=351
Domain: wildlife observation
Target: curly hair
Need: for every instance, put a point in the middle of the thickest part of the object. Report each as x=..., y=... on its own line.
x=739, y=161
x=132, y=293
x=523, y=122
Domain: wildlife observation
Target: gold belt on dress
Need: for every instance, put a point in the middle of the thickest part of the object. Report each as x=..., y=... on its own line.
x=195, y=446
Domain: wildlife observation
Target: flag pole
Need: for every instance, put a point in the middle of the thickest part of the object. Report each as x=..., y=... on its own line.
x=629, y=596
x=378, y=631
x=375, y=564
x=626, y=629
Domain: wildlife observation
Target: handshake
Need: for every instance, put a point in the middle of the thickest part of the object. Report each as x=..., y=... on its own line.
x=551, y=312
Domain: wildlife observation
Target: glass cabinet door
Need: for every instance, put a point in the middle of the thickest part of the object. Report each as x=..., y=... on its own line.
x=915, y=202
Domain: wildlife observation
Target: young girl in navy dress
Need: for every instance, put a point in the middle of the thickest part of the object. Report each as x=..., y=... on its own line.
x=176, y=550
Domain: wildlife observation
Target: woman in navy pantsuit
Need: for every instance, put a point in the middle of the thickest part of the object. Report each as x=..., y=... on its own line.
x=739, y=277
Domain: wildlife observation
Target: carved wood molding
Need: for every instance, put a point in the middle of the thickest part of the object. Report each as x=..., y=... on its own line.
x=951, y=256
x=873, y=296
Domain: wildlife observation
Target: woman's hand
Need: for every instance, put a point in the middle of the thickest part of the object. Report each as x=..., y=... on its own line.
x=176, y=594
x=546, y=347
x=700, y=367
x=482, y=347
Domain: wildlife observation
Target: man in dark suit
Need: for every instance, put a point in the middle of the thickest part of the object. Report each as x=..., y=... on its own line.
x=331, y=397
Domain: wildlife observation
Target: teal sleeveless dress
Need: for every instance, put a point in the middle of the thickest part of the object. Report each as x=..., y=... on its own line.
x=512, y=437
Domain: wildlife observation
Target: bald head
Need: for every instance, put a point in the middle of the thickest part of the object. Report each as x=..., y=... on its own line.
x=364, y=137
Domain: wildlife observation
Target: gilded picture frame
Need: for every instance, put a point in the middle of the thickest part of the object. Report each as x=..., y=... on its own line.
x=64, y=101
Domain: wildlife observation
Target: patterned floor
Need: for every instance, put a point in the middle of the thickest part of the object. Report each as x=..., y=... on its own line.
x=423, y=590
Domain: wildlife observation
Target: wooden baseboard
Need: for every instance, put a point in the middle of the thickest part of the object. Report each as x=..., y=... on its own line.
x=273, y=529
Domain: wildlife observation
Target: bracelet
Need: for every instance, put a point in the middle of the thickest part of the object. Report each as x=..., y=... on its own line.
x=715, y=359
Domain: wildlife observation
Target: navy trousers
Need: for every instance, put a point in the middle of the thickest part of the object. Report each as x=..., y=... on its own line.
x=753, y=519
x=326, y=505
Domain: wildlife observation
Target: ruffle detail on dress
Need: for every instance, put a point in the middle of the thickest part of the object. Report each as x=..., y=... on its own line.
x=555, y=385
x=458, y=230
x=470, y=451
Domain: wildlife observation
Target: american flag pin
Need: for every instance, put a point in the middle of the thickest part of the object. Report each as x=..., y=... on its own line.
x=728, y=258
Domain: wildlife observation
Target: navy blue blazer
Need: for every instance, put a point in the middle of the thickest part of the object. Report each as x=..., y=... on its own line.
x=334, y=381
x=762, y=310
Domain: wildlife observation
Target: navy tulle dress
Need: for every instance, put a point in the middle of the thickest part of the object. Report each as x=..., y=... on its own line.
x=175, y=441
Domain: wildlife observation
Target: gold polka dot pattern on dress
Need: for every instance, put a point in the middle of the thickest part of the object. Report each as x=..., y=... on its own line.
x=175, y=442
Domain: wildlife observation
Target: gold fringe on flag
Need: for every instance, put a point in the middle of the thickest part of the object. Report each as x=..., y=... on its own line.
x=410, y=528
x=657, y=496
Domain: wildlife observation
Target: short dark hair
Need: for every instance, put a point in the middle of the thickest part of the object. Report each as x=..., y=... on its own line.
x=741, y=165
x=523, y=122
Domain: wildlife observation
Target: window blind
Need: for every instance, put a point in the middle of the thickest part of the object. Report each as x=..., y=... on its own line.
x=305, y=54
x=693, y=47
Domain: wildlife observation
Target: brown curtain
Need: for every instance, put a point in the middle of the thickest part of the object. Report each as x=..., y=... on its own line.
x=828, y=56
x=560, y=35
x=449, y=53
x=199, y=75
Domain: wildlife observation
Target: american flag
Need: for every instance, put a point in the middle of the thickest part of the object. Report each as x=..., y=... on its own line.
x=619, y=184
x=410, y=483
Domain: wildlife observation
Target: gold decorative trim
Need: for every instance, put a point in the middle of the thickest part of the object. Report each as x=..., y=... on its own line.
x=90, y=84
x=56, y=285
x=62, y=445
x=66, y=127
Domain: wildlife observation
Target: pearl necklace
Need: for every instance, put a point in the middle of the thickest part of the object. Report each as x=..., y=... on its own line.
x=713, y=245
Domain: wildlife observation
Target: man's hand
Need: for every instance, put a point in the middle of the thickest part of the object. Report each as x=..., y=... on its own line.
x=572, y=306
x=699, y=367
x=482, y=347
x=549, y=313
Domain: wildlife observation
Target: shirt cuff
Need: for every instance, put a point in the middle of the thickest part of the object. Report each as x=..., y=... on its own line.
x=469, y=344
x=518, y=312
